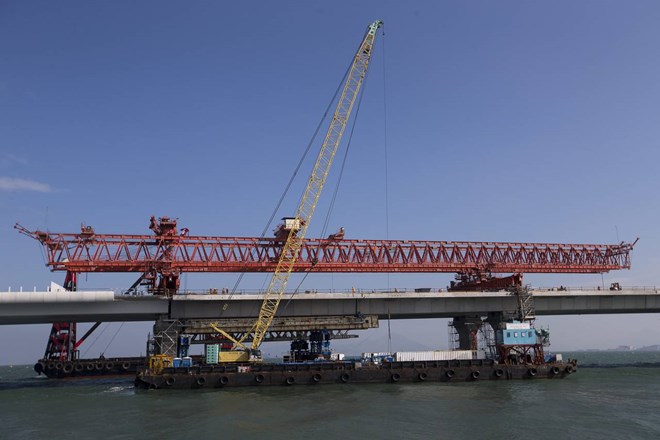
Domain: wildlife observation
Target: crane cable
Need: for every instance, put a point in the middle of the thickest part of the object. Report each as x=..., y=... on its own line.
x=292, y=178
x=336, y=190
x=308, y=202
x=259, y=336
x=348, y=146
x=89, y=346
x=387, y=195
x=387, y=199
x=343, y=163
x=112, y=339
x=309, y=145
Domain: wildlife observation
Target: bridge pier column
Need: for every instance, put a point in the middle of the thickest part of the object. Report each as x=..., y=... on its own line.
x=495, y=319
x=476, y=332
x=467, y=328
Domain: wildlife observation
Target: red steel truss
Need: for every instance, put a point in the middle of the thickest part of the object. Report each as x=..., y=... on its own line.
x=170, y=252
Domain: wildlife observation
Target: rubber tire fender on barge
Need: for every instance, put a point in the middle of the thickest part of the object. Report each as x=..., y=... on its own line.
x=259, y=378
x=290, y=380
x=171, y=380
x=449, y=374
x=422, y=376
x=499, y=372
x=224, y=380
x=554, y=371
x=316, y=378
x=68, y=368
x=200, y=381
x=396, y=377
x=475, y=374
x=531, y=372
x=344, y=377
x=569, y=369
x=125, y=366
x=79, y=368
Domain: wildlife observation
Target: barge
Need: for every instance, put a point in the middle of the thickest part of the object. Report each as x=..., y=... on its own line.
x=515, y=352
x=318, y=373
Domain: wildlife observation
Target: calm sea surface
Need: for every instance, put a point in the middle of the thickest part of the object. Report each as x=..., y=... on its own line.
x=617, y=398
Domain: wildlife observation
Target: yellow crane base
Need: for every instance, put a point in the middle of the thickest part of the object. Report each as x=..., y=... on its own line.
x=233, y=356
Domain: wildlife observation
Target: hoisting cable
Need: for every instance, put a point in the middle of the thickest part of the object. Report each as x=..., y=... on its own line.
x=336, y=190
x=94, y=341
x=389, y=332
x=291, y=248
x=387, y=196
x=113, y=338
x=343, y=163
x=309, y=145
x=387, y=200
x=326, y=222
x=293, y=176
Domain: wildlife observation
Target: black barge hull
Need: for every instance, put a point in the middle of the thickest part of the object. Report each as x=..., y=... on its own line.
x=230, y=376
x=90, y=368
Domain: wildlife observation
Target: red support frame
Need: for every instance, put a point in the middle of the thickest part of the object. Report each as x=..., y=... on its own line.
x=62, y=344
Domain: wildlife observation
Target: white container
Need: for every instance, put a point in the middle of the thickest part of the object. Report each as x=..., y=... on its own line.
x=434, y=355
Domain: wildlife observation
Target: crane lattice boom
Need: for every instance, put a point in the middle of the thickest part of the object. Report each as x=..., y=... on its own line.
x=291, y=249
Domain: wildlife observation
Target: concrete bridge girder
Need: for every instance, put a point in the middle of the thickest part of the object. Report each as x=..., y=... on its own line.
x=81, y=306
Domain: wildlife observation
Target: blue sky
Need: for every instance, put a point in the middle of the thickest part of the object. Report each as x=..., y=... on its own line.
x=504, y=121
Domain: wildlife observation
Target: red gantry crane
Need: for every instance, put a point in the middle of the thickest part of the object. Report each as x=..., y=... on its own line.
x=162, y=257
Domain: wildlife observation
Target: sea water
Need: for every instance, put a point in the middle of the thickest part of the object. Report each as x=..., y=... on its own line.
x=613, y=396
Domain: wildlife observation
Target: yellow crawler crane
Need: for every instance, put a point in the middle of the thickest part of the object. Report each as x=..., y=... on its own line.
x=298, y=225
